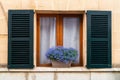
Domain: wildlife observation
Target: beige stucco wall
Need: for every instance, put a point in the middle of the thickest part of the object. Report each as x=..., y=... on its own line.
x=61, y=76
x=62, y=5
x=38, y=76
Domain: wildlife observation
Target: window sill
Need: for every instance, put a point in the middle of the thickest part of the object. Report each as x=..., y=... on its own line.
x=50, y=69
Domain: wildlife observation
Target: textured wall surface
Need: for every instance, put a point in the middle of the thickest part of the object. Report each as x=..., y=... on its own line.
x=62, y=5
x=61, y=76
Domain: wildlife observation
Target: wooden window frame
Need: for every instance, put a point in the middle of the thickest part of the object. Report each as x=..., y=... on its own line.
x=59, y=35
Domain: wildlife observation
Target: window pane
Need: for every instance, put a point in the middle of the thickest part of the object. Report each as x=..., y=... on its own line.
x=47, y=36
x=71, y=27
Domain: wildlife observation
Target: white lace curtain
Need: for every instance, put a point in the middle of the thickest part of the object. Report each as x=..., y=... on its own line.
x=48, y=32
x=47, y=36
x=71, y=33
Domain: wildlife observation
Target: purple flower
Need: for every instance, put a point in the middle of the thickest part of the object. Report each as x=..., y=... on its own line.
x=62, y=54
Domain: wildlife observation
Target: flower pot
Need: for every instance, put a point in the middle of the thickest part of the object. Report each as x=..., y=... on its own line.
x=58, y=64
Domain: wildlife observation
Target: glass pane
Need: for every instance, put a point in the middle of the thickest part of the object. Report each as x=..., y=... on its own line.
x=47, y=36
x=71, y=26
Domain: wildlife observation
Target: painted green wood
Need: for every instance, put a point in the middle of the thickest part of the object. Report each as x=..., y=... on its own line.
x=98, y=39
x=20, y=38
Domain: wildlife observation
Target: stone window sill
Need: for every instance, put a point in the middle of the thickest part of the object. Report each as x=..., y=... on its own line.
x=50, y=69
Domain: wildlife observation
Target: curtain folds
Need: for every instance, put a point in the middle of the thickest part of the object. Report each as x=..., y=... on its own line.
x=71, y=27
x=47, y=36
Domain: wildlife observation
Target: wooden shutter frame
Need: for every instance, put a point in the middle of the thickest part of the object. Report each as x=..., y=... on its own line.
x=89, y=13
x=31, y=13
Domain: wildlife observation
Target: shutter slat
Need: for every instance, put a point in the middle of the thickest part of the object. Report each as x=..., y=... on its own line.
x=98, y=39
x=20, y=50
x=17, y=23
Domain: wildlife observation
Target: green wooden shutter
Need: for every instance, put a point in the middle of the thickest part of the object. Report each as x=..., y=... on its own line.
x=20, y=38
x=98, y=39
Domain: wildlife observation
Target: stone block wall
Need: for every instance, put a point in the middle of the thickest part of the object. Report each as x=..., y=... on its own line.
x=60, y=76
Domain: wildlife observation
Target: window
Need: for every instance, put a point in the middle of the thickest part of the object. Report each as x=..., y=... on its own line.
x=58, y=30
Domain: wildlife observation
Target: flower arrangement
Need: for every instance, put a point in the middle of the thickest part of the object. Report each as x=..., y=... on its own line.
x=62, y=54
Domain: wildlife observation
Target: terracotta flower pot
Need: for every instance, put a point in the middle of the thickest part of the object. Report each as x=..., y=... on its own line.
x=58, y=64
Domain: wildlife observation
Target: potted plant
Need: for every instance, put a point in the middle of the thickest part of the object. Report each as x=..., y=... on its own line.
x=62, y=57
